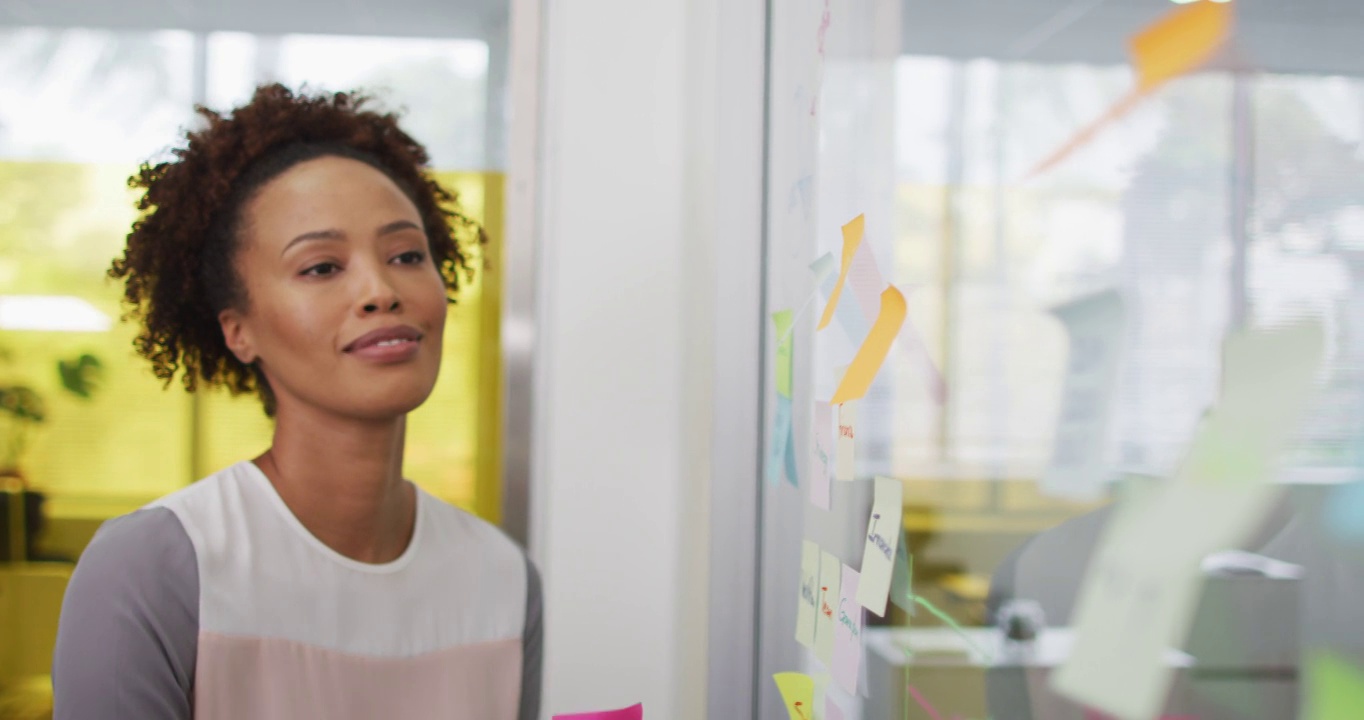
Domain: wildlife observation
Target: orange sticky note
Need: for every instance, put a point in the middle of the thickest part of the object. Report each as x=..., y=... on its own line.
x=797, y=693
x=852, y=238
x=857, y=380
x=1178, y=43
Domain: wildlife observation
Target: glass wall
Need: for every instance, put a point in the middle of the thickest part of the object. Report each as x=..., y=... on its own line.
x=86, y=427
x=1065, y=341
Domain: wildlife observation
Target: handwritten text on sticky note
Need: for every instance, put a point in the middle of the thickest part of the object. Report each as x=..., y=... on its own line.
x=808, y=609
x=878, y=552
x=826, y=622
x=822, y=455
x=797, y=694
x=847, y=660
x=846, y=458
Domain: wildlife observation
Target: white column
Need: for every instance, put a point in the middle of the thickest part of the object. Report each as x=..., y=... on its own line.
x=628, y=185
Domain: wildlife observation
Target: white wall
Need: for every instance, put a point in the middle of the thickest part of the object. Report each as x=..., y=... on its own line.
x=625, y=357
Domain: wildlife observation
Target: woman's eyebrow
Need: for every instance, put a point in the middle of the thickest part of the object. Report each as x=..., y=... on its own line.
x=331, y=234
x=334, y=234
x=398, y=225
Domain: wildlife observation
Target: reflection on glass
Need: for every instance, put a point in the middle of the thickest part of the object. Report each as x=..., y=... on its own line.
x=78, y=110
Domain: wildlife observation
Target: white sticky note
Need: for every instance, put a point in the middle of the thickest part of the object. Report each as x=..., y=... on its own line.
x=821, y=455
x=1142, y=587
x=878, y=552
x=1081, y=451
x=830, y=575
x=808, y=609
x=846, y=445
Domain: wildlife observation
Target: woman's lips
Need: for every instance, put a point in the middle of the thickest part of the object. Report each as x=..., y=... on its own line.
x=387, y=351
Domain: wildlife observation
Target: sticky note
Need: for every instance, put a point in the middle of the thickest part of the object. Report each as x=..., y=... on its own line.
x=867, y=283
x=780, y=453
x=846, y=457
x=847, y=660
x=852, y=238
x=1335, y=687
x=634, y=712
x=831, y=710
x=808, y=608
x=782, y=319
x=1178, y=43
x=878, y=552
x=822, y=455
x=902, y=580
x=1080, y=452
x=797, y=693
x=1267, y=385
x=830, y=576
x=857, y=380
x=1142, y=586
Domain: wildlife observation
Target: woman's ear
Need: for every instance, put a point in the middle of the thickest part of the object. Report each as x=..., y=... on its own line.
x=237, y=336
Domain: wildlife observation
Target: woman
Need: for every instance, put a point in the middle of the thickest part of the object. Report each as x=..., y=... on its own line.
x=296, y=248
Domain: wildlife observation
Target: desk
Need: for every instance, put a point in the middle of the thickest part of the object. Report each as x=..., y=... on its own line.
x=1011, y=683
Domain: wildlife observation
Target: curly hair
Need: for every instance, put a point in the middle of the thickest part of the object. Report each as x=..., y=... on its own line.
x=178, y=264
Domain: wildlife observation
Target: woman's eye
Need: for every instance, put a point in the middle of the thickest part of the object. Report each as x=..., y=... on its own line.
x=412, y=257
x=325, y=268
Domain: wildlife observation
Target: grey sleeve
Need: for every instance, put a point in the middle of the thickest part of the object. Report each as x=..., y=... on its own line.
x=532, y=650
x=128, y=633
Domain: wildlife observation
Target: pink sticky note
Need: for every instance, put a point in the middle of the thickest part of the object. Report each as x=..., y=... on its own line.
x=634, y=712
x=848, y=633
x=832, y=711
x=821, y=455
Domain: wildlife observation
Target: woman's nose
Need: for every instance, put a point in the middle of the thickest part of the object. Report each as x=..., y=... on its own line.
x=379, y=293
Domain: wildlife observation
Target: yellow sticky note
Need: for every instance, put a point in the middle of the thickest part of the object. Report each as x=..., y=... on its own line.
x=1179, y=42
x=874, y=349
x=852, y=238
x=826, y=623
x=782, y=319
x=1335, y=687
x=797, y=693
x=808, y=609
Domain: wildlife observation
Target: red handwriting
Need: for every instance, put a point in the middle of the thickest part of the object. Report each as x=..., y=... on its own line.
x=796, y=706
x=845, y=431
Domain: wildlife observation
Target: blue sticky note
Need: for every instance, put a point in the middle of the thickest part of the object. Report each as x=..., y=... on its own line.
x=854, y=324
x=781, y=453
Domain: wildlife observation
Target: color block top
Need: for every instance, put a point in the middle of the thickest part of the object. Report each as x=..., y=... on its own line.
x=215, y=602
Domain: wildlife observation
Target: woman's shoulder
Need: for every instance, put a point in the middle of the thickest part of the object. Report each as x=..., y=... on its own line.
x=150, y=537
x=484, y=544
x=127, y=638
x=454, y=523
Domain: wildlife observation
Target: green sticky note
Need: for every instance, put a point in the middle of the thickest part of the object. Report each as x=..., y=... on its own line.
x=783, y=319
x=1335, y=687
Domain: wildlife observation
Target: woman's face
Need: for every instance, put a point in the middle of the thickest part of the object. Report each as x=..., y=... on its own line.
x=331, y=251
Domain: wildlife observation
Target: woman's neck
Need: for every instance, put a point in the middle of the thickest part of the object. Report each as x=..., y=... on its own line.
x=343, y=480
